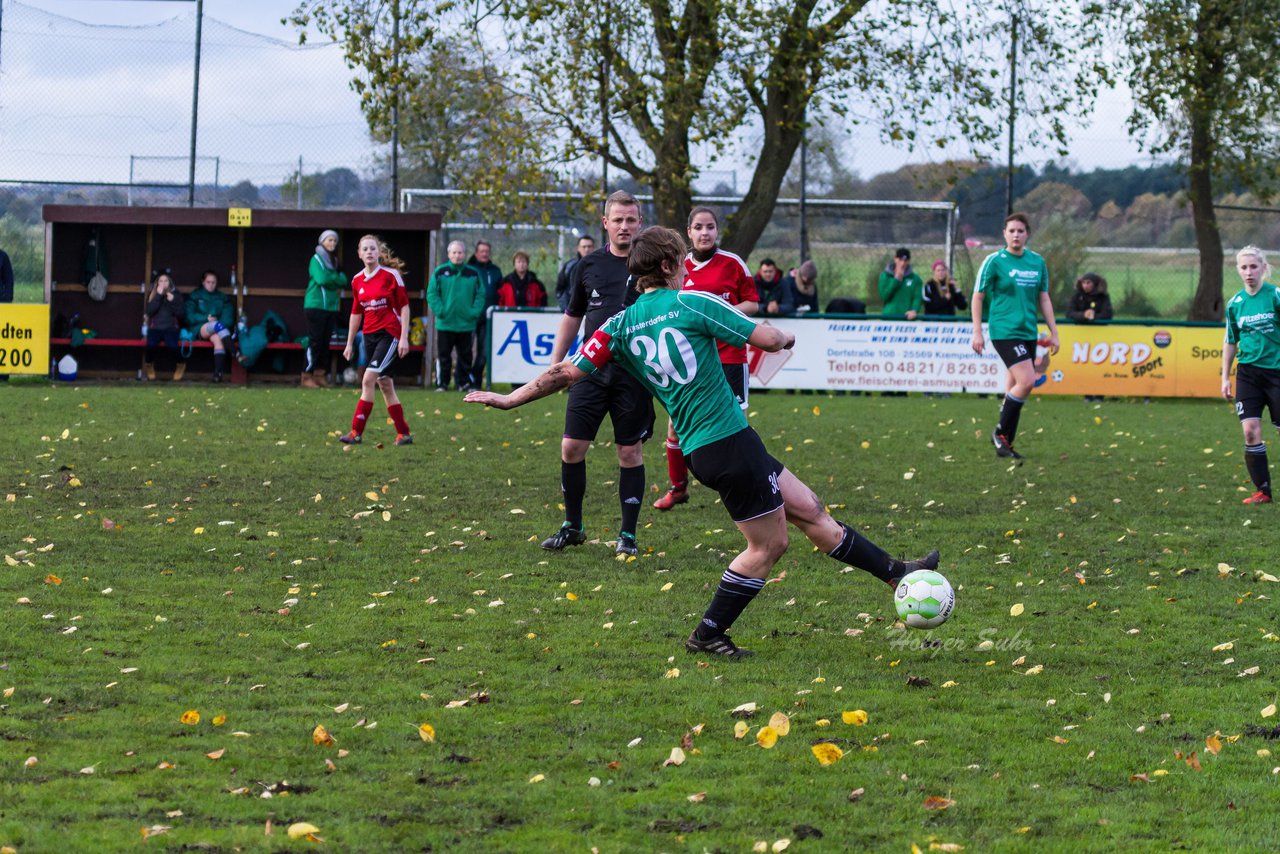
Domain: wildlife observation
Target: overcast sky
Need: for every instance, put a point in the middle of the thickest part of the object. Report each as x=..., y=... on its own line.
x=76, y=102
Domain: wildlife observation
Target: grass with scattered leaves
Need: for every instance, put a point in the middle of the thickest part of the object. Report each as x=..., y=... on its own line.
x=181, y=548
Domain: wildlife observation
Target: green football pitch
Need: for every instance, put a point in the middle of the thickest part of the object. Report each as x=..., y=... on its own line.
x=197, y=578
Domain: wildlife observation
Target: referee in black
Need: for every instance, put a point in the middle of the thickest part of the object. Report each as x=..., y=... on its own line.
x=601, y=288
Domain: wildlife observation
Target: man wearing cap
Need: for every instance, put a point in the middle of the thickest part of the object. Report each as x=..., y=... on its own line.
x=320, y=307
x=900, y=288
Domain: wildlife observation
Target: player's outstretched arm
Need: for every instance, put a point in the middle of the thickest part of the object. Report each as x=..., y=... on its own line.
x=558, y=376
x=771, y=339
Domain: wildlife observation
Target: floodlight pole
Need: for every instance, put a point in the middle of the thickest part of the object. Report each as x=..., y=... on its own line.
x=395, y=108
x=1013, y=112
x=195, y=107
x=804, y=188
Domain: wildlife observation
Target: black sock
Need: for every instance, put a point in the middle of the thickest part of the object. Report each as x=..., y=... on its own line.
x=630, y=494
x=1255, y=460
x=1010, y=411
x=219, y=361
x=731, y=598
x=573, y=483
x=857, y=550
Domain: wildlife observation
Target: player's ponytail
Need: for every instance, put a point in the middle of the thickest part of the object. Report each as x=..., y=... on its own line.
x=649, y=250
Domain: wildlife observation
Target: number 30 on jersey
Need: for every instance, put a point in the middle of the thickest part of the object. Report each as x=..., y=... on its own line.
x=666, y=359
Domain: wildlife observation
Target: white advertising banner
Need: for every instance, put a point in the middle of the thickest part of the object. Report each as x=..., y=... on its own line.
x=867, y=355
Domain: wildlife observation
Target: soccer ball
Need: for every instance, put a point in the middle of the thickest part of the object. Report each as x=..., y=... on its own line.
x=350, y=377
x=924, y=599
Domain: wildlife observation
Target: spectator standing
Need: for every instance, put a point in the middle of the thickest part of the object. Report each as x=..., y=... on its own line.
x=1253, y=332
x=6, y=288
x=1016, y=282
x=521, y=288
x=760, y=494
x=456, y=296
x=602, y=287
x=210, y=316
x=1090, y=302
x=768, y=280
x=165, y=314
x=710, y=269
x=942, y=296
x=380, y=307
x=586, y=245
x=320, y=307
x=900, y=288
x=490, y=277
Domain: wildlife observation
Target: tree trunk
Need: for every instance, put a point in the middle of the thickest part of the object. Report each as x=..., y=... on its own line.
x=672, y=187
x=1207, y=303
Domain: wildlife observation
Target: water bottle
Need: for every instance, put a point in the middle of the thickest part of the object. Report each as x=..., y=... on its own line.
x=242, y=327
x=233, y=278
x=144, y=327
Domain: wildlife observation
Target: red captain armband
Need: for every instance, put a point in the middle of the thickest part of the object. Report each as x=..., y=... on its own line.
x=596, y=349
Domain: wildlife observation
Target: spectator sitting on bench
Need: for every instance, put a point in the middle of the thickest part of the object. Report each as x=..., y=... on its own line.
x=164, y=316
x=210, y=317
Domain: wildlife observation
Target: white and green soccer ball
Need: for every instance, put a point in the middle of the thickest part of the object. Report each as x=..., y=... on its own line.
x=924, y=599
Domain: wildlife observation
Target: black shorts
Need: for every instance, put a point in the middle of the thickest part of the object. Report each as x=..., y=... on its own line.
x=618, y=395
x=1015, y=350
x=738, y=382
x=380, y=351
x=742, y=470
x=1257, y=388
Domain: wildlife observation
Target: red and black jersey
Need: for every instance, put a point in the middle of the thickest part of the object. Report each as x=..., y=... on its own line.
x=379, y=297
x=725, y=275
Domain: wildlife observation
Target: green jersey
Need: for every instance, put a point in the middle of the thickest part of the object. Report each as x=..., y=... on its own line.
x=667, y=340
x=1253, y=325
x=1011, y=285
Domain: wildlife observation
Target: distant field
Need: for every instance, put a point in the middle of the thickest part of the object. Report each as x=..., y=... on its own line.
x=1165, y=280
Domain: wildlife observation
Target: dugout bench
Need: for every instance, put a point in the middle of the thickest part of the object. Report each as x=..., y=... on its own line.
x=271, y=250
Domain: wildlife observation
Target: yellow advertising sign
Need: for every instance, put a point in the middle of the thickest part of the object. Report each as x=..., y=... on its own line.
x=239, y=217
x=1145, y=361
x=24, y=339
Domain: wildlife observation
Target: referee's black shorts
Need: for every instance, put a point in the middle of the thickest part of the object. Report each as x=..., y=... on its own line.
x=611, y=392
x=742, y=470
x=1256, y=389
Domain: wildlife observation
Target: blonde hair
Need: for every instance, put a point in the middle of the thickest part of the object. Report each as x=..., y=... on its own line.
x=386, y=257
x=1254, y=251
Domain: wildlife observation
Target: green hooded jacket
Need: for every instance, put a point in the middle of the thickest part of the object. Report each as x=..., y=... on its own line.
x=325, y=286
x=202, y=303
x=455, y=295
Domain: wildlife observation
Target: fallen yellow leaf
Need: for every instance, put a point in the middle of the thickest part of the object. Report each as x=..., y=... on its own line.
x=857, y=717
x=781, y=723
x=52, y=579
x=827, y=753
x=216, y=754
x=299, y=829
x=537, y=778
x=676, y=757
x=1269, y=711
x=936, y=802
x=321, y=736
x=1213, y=744
x=1016, y=610
x=427, y=733
x=766, y=737
x=740, y=729
x=218, y=720
x=190, y=717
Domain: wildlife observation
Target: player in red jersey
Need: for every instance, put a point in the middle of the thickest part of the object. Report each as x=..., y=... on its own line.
x=380, y=302
x=710, y=269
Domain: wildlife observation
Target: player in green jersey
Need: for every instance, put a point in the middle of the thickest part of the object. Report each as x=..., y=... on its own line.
x=1253, y=333
x=667, y=339
x=1015, y=281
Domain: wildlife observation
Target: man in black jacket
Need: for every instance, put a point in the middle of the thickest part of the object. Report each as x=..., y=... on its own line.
x=586, y=245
